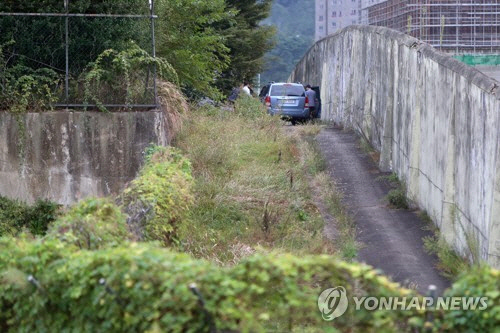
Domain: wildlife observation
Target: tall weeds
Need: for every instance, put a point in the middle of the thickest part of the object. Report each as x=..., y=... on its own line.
x=243, y=161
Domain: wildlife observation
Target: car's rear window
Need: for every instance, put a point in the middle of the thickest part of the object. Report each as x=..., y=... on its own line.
x=287, y=90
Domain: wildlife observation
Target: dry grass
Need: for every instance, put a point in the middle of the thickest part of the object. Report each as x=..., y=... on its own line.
x=174, y=105
x=252, y=189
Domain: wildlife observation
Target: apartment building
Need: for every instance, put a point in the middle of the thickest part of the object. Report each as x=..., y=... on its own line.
x=332, y=15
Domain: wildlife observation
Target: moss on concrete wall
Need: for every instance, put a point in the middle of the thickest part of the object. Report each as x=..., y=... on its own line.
x=435, y=121
x=65, y=156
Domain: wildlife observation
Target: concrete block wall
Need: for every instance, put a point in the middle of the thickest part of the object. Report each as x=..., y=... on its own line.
x=65, y=156
x=434, y=120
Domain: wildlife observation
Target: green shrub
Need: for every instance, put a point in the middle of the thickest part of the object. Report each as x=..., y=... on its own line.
x=397, y=198
x=24, y=88
x=138, y=288
x=118, y=76
x=480, y=281
x=158, y=200
x=50, y=286
x=16, y=216
x=91, y=224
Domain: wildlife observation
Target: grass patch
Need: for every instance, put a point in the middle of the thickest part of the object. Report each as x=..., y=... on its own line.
x=450, y=263
x=365, y=146
x=368, y=149
x=393, y=179
x=397, y=198
x=397, y=195
x=325, y=190
x=251, y=186
x=345, y=241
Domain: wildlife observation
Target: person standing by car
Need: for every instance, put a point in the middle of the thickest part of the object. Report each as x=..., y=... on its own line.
x=246, y=88
x=311, y=96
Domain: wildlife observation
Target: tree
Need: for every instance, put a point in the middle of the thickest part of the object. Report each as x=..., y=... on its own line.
x=188, y=38
x=40, y=41
x=247, y=41
x=200, y=39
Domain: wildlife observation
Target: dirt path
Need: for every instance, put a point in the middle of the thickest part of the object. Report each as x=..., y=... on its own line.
x=391, y=239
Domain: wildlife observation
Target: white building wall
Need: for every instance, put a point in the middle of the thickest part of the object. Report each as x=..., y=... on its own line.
x=333, y=15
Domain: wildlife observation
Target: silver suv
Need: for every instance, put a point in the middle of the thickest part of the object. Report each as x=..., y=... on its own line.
x=287, y=100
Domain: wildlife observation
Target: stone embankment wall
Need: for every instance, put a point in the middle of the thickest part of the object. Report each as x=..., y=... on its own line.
x=434, y=120
x=65, y=156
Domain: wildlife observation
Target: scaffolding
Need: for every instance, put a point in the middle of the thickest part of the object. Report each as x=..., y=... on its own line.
x=453, y=26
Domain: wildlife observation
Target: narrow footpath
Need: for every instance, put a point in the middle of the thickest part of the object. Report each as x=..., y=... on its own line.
x=391, y=239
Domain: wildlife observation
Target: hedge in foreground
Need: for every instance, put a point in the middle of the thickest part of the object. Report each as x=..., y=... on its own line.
x=481, y=281
x=50, y=286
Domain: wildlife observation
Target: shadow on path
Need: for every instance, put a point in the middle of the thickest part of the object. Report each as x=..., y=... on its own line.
x=391, y=239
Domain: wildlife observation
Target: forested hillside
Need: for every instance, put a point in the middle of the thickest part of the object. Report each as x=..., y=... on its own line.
x=294, y=21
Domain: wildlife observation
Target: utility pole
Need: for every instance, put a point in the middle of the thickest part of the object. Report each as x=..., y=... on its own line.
x=66, y=46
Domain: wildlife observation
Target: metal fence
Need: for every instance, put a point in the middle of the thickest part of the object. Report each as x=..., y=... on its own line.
x=71, y=35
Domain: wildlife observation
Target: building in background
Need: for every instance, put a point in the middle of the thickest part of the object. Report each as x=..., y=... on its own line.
x=332, y=15
x=453, y=26
x=469, y=30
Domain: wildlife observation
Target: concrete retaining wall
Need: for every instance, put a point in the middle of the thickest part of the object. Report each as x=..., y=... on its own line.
x=434, y=120
x=65, y=156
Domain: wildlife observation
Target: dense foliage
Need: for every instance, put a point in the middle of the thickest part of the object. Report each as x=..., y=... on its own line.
x=16, y=217
x=158, y=200
x=211, y=45
x=39, y=41
x=47, y=285
x=23, y=87
x=91, y=224
x=188, y=38
x=139, y=287
x=479, y=281
x=247, y=40
x=118, y=77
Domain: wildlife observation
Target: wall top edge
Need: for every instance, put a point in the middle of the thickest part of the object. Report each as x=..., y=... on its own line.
x=476, y=77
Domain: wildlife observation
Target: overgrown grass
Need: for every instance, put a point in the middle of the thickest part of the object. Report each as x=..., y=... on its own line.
x=450, y=263
x=325, y=191
x=397, y=195
x=345, y=240
x=251, y=186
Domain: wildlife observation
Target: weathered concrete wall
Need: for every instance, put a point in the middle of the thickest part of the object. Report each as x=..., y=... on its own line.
x=65, y=156
x=434, y=120
x=491, y=71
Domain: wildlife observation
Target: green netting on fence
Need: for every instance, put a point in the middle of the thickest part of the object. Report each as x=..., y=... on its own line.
x=479, y=59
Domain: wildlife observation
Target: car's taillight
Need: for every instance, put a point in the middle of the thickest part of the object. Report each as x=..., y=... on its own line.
x=306, y=105
x=268, y=100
